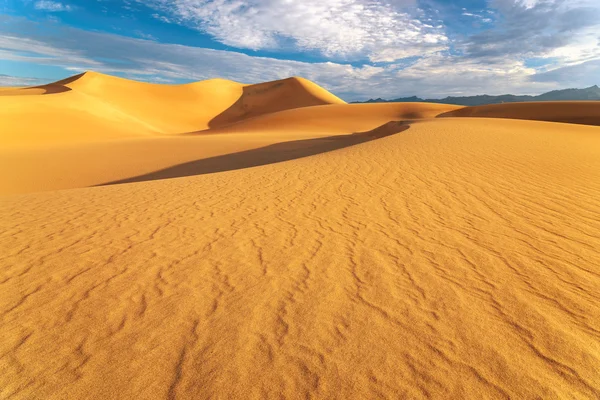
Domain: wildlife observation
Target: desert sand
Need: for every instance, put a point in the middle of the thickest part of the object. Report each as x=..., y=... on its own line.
x=113, y=129
x=573, y=112
x=283, y=244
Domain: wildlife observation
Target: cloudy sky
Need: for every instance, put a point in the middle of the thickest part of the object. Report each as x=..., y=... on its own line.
x=358, y=49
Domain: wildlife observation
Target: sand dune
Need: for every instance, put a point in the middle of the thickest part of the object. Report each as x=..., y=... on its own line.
x=73, y=166
x=61, y=157
x=266, y=98
x=457, y=259
x=337, y=119
x=95, y=107
x=91, y=128
x=573, y=112
x=306, y=248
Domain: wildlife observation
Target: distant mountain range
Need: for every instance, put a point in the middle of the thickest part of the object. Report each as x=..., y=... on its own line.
x=591, y=93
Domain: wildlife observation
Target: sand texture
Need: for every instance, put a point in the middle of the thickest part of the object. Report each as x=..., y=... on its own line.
x=331, y=251
x=573, y=112
x=93, y=129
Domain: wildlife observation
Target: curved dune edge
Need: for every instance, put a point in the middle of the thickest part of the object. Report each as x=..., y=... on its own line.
x=93, y=107
x=335, y=118
x=74, y=164
x=573, y=112
x=274, y=153
x=458, y=259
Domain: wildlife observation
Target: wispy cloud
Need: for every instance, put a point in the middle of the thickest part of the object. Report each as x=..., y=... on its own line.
x=144, y=35
x=579, y=75
x=8, y=80
x=567, y=30
x=341, y=29
x=52, y=6
x=529, y=47
x=440, y=75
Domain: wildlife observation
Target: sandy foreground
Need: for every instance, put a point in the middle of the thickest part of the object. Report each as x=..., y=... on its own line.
x=313, y=250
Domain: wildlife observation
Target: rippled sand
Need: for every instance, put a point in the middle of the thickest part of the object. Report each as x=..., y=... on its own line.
x=429, y=258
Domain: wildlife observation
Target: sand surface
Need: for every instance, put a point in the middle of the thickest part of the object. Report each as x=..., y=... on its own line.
x=94, y=129
x=380, y=253
x=573, y=112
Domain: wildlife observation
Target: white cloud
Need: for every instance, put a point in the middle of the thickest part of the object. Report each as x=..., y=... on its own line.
x=343, y=29
x=435, y=76
x=52, y=6
x=585, y=46
x=77, y=51
x=16, y=81
x=19, y=48
x=580, y=75
x=144, y=35
x=528, y=3
x=566, y=31
x=491, y=61
x=459, y=76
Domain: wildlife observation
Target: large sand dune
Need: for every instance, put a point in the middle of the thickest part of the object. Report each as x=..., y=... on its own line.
x=419, y=258
x=93, y=129
x=93, y=107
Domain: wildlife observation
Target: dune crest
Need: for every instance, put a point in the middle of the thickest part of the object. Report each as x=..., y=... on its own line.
x=91, y=128
x=95, y=106
x=269, y=97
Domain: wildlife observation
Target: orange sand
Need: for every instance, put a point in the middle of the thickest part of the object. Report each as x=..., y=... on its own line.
x=573, y=112
x=113, y=129
x=402, y=256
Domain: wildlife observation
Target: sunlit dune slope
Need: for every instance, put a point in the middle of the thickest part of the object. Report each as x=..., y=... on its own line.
x=10, y=89
x=75, y=164
x=458, y=259
x=93, y=107
x=338, y=119
x=574, y=112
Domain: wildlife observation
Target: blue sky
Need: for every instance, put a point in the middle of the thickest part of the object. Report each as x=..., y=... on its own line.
x=358, y=49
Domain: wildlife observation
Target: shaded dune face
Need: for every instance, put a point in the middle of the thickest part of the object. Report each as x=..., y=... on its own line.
x=572, y=112
x=337, y=118
x=274, y=96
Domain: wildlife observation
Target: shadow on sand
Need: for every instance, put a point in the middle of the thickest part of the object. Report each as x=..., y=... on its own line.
x=266, y=155
x=243, y=108
x=58, y=86
x=51, y=88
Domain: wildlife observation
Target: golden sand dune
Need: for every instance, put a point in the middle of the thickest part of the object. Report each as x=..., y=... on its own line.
x=457, y=259
x=93, y=106
x=573, y=112
x=73, y=166
x=93, y=128
x=338, y=119
x=10, y=90
x=67, y=152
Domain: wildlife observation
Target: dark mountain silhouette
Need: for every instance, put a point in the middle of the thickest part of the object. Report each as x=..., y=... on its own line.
x=591, y=93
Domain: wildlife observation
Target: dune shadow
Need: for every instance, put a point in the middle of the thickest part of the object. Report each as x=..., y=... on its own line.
x=52, y=88
x=569, y=112
x=261, y=156
x=242, y=108
x=58, y=86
